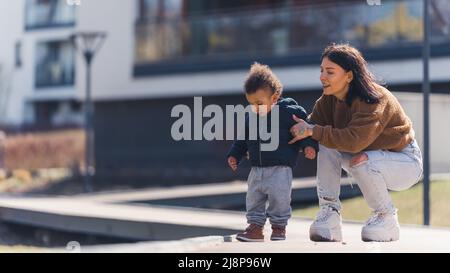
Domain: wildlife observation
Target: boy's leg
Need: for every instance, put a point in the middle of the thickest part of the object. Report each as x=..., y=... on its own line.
x=256, y=208
x=277, y=183
x=256, y=198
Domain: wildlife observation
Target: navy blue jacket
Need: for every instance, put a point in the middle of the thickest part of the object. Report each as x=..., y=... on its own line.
x=286, y=154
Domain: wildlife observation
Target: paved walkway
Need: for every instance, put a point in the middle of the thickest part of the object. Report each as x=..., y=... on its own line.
x=413, y=239
x=209, y=230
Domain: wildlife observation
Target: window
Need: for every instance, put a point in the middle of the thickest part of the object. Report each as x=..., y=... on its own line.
x=162, y=20
x=54, y=64
x=440, y=10
x=48, y=13
x=157, y=9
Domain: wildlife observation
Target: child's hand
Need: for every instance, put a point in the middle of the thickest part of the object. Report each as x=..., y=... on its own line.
x=232, y=162
x=310, y=153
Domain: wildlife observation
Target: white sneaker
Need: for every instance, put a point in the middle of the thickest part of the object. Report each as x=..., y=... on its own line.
x=381, y=227
x=327, y=226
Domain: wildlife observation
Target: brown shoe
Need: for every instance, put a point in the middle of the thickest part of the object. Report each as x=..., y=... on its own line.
x=278, y=233
x=253, y=233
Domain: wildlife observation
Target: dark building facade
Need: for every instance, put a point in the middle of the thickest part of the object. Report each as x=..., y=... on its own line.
x=133, y=139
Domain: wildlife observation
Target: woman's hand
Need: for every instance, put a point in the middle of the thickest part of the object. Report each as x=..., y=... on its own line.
x=232, y=162
x=310, y=153
x=300, y=130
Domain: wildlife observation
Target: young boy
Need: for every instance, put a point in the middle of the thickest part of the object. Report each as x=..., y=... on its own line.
x=270, y=178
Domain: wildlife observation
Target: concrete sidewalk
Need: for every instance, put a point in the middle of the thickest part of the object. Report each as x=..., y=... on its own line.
x=178, y=229
x=413, y=240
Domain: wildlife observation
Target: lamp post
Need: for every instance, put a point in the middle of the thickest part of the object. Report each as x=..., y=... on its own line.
x=88, y=43
x=426, y=112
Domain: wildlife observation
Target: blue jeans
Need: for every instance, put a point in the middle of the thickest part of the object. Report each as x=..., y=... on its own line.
x=383, y=171
x=272, y=185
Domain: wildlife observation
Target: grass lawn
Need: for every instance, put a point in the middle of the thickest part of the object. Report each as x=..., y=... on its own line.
x=409, y=204
x=22, y=249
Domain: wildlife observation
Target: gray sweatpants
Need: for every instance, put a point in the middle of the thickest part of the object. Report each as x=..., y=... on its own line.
x=270, y=185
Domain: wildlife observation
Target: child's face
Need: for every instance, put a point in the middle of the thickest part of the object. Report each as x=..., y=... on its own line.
x=262, y=101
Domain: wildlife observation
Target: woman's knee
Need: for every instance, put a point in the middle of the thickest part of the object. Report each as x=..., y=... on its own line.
x=407, y=179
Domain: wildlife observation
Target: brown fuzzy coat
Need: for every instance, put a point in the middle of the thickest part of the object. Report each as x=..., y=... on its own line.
x=361, y=126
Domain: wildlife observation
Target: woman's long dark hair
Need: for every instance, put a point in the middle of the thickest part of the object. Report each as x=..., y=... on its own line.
x=363, y=85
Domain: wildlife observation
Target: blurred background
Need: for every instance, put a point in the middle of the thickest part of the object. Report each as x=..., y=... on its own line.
x=160, y=53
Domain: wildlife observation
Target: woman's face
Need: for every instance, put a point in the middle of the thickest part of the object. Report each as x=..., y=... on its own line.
x=335, y=80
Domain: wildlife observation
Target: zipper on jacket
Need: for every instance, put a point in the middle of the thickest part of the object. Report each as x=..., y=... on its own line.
x=259, y=144
x=260, y=158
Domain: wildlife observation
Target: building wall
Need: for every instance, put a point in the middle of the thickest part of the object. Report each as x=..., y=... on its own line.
x=439, y=126
x=113, y=66
x=19, y=108
x=11, y=28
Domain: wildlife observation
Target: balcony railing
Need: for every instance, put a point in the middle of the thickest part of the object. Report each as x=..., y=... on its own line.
x=283, y=32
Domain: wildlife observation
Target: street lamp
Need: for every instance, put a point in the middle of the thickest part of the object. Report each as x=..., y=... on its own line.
x=88, y=43
x=426, y=111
